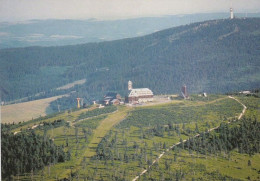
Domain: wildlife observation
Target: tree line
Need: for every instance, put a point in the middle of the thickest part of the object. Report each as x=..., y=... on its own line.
x=27, y=152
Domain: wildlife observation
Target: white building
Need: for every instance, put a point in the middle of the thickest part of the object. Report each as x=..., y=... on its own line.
x=140, y=95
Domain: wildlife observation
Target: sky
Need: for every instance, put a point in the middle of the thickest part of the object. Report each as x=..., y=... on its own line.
x=22, y=10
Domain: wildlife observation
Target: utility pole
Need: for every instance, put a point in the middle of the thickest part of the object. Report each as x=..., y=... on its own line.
x=78, y=99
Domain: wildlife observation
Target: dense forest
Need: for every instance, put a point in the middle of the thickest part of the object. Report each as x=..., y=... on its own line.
x=211, y=56
x=243, y=136
x=28, y=152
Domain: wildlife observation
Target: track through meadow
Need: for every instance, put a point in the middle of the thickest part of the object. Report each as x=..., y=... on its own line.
x=177, y=144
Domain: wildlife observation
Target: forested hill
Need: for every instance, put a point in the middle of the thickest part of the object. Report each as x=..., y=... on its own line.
x=58, y=32
x=212, y=56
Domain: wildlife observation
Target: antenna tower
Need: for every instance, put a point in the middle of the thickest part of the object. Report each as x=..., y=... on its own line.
x=231, y=13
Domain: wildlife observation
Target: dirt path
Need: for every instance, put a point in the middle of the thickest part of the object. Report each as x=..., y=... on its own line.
x=145, y=170
x=103, y=129
x=244, y=107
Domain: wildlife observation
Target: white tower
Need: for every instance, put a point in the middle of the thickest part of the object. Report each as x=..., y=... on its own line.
x=130, y=85
x=231, y=13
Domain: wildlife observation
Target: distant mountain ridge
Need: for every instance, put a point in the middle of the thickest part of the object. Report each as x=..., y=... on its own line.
x=215, y=56
x=54, y=32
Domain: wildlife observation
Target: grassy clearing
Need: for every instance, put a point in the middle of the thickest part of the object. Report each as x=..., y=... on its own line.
x=26, y=111
x=184, y=112
x=70, y=85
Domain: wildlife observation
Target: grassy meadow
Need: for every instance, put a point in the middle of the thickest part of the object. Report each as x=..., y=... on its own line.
x=15, y=113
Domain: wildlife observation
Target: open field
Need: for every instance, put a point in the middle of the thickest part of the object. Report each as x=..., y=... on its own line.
x=25, y=111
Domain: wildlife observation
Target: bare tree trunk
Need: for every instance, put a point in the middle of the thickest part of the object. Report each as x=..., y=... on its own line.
x=49, y=169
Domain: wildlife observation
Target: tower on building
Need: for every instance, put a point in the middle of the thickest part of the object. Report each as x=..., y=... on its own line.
x=231, y=13
x=130, y=85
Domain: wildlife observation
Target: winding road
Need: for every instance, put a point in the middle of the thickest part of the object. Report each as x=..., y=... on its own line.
x=145, y=170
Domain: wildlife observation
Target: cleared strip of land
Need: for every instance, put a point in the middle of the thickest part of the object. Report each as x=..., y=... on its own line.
x=70, y=85
x=26, y=111
x=103, y=129
x=106, y=125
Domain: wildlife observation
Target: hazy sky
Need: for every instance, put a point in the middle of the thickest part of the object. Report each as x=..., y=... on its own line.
x=19, y=10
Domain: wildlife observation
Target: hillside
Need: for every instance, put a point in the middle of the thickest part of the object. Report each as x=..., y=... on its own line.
x=212, y=56
x=213, y=138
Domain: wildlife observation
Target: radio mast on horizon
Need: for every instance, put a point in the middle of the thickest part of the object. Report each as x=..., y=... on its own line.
x=231, y=13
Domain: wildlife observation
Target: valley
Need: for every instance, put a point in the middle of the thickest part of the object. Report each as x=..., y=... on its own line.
x=216, y=56
x=181, y=103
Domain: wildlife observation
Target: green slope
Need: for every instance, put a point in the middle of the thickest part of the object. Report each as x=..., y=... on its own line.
x=212, y=56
